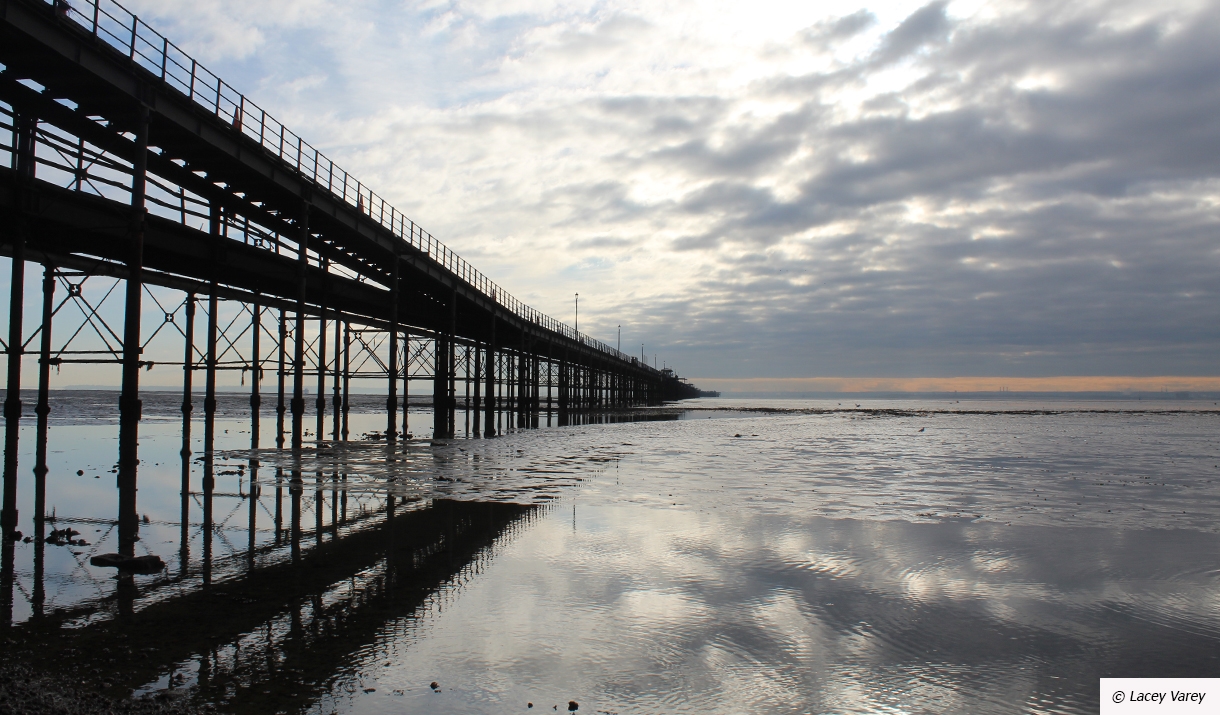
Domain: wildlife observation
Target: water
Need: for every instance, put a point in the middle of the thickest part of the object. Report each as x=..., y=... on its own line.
x=720, y=557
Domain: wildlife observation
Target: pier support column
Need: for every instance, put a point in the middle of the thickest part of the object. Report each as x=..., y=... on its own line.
x=535, y=392
x=43, y=410
x=256, y=399
x=256, y=374
x=478, y=387
x=298, y=358
x=336, y=403
x=406, y=384
x=490, y=386
x=281, y=377
x=391, y=400
x=450, y=363
x=347, y=376
x=129, y=398
x=24, y=138
x=188, y=373
x=466, y=384
x=440, y=387
x=563, y=390
x=320, y=427
x=12, y=398
x=522, y=397
x=209, y=390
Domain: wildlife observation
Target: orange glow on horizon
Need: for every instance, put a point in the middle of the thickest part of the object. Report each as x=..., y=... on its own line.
x=1083, y=383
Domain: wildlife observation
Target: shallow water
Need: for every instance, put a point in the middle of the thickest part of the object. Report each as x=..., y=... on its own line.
x=732, y=556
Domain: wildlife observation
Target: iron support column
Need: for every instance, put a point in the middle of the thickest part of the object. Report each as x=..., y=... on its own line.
x=256, y=372
x=209, y=379
x=24, y=138
x=298, y=366
x=347, y=374
x=490, y=385
x=451, y=367
x=336, y=402
x=43, y=410
x=280, y=408
x=12, y=398
x=129, y=399
x=320, y=427
x=478, y=387
x=391, y=400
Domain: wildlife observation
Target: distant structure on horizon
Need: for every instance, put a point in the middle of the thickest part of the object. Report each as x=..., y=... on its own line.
x=677, y=388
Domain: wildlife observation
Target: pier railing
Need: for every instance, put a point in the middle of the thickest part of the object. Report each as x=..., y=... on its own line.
x=152, y=52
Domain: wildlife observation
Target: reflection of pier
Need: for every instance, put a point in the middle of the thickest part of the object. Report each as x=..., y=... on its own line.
x=137, y=177
x=274, y=633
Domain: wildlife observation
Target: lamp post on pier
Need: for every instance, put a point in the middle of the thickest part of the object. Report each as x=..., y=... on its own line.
x=577, y=324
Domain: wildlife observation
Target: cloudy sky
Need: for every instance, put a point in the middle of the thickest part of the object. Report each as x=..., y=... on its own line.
x=784, y=190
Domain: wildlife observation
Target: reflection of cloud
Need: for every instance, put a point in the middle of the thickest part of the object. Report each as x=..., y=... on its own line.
x=1018, y=191
x=734, y=622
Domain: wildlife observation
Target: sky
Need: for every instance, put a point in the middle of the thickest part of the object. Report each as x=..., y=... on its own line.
x=784, y=191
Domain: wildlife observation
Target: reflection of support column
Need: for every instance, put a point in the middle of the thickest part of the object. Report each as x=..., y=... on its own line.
x=294, y=489
x=478, y=387
x=391, y=400
x=298, y=359
x=43, y=410
x=334, y=505
x=208, y=483
x=279, y=506
x=184, y=523
x=252, y=523
x=347, y=375
x=343, y=502
x=129, y=400
x=319, y=501
x=280, y=379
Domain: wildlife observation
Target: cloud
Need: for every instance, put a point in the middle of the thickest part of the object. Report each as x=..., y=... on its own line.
x=1020, y=189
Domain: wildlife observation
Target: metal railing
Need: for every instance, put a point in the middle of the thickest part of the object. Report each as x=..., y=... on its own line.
x=146, y=48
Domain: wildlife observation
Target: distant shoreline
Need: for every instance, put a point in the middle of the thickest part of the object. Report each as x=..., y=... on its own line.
x=759, y=395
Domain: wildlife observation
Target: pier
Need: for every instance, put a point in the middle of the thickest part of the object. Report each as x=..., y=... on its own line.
x=126, y=161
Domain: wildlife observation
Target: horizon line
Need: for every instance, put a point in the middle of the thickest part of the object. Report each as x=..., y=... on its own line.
x=993, y=384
